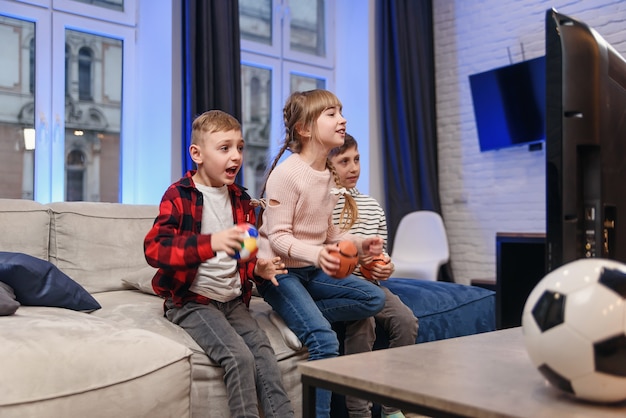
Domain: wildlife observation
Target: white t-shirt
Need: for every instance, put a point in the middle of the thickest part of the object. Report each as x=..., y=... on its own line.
x=218, y=277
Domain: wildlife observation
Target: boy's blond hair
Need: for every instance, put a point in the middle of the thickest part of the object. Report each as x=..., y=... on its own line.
x=213, y=121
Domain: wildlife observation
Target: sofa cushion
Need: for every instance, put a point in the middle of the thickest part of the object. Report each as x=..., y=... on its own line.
x=141, y=280
x=136, y=309
x=8, y=304
x=25, y=227
x=63, y=363
x=38, y=282
x=97, y=244
x=444, y=310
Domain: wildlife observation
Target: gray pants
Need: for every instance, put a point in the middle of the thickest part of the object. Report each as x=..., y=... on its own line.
x=399, y=323
x=231, y=337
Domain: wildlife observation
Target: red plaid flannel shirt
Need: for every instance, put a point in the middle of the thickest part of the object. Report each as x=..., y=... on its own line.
x=176, y=247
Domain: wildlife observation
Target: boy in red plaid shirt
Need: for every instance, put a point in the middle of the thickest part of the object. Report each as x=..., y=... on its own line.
x=206, y=290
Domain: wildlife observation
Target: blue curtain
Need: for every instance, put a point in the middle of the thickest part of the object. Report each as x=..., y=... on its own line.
x=211, y=63
x=405, y=55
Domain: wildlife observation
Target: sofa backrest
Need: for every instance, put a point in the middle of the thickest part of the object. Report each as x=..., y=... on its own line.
x=24, y=227
x=100, y=244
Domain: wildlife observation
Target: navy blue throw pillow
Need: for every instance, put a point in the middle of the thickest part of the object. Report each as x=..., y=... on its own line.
x=37, y=282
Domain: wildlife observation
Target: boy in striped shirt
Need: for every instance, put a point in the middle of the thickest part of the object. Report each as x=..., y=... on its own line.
x=396, y=318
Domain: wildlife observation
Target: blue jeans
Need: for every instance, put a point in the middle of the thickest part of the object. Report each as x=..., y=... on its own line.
x=309, y=300
x=231, y=337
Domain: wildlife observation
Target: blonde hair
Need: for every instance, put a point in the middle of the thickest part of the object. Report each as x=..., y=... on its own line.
x=213, y=121
x=301, y=111
x=346, y=218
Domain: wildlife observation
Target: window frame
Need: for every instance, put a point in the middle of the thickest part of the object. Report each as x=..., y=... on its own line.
x=297, y=68
x=43, y=90
x=49, y=99
x=272, y=64
x=127, y=17
x=328, y=60
x=284, y=62
x=61, y=22
x=274, y=49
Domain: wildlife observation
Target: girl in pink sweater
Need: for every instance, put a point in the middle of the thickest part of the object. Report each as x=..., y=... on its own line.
x=297, y=225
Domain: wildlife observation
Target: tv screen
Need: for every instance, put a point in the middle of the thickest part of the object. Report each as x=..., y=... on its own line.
x=509, y=104
x=585, y=144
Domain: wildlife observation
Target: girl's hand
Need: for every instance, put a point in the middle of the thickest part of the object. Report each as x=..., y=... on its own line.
x=373, y=246
x=227, y=240
x=328, y=259
x=268, y=269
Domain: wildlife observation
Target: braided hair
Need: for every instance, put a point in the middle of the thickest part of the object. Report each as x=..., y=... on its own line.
x=347, y=218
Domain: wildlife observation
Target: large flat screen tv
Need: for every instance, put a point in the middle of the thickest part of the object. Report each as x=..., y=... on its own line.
x=585, y=144
x=509, y=104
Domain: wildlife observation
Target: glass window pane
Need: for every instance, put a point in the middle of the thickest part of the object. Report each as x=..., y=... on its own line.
x=17, y=108
x=256, y=101
x=304, y=83
x=93, y=109
x=308, y=27
x=107, y=4
x=255, y=20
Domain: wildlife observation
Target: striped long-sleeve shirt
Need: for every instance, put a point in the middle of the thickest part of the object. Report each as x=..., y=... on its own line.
x=371, y=220
x=297, y=220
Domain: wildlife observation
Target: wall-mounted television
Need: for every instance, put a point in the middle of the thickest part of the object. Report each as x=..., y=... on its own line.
x=509, y=104
x=585, y=144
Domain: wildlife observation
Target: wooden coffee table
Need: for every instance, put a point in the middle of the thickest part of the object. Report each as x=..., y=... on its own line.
x=483, y=375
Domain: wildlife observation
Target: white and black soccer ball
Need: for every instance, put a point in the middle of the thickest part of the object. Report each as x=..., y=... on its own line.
x=574, y=325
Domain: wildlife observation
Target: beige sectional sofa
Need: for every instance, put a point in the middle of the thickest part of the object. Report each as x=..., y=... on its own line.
x=124, y=359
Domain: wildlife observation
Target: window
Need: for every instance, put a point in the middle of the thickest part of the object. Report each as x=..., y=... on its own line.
x=17, y=92
x=61, y=136
x=85, y=58
x=284, y=48
x=109, y=4
x=31, y=66
x=307, y=27
x=75, y=176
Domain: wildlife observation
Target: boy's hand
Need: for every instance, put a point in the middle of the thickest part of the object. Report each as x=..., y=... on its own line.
x=365, y=259
x=268, y=269
x=373, y=246
x=383, y=271
x=227, y=240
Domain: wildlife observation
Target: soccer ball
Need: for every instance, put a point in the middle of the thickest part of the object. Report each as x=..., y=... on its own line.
x=249, y=245
x=574, y=326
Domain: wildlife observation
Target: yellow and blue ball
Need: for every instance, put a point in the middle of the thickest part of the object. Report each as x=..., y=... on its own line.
x=249, y=246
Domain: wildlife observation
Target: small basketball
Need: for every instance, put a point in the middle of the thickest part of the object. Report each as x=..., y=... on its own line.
x=366, y=269
x=348, y=256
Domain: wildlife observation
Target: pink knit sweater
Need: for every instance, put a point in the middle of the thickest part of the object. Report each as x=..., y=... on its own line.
x=297, y=220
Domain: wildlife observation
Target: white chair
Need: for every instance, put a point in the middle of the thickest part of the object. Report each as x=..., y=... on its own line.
x=420, y=246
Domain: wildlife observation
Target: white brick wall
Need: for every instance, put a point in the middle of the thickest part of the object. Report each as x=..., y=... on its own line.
x=504, y=190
